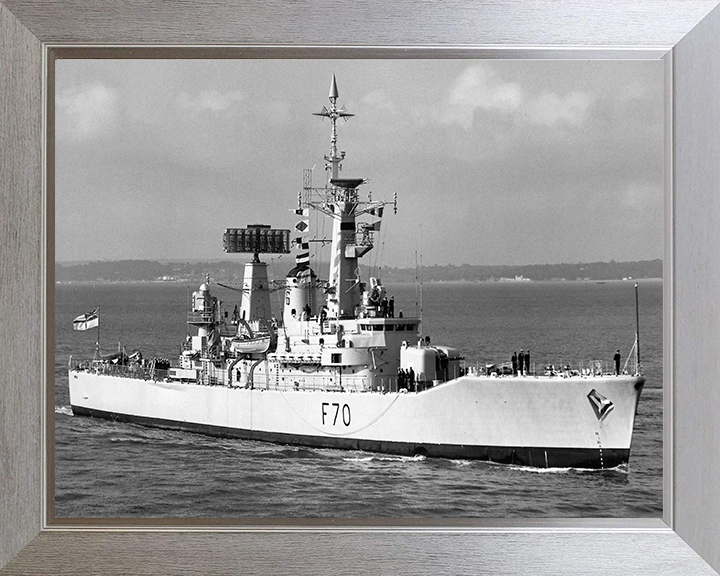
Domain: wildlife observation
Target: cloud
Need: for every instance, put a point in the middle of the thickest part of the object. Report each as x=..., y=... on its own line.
x=549, y=108
x=86, y=112
x=378, y=98
x=480, y=88
x=210, y=101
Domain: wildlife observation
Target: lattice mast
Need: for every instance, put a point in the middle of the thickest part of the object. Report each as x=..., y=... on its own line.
x=340, y=201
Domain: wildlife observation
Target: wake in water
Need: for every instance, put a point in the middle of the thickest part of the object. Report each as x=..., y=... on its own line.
x=66, y=410
x=621, y=468
x=416, y=458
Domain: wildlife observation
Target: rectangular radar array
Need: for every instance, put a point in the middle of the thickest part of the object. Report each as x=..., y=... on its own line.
x=257, y=238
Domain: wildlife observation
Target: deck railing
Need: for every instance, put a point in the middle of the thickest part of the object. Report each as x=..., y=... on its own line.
x=137, y=371
x=586, y=368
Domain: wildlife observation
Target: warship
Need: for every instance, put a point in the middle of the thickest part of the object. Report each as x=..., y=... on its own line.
x=340, y=369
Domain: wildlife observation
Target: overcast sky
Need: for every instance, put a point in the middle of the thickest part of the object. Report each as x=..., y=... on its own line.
x=493, y=162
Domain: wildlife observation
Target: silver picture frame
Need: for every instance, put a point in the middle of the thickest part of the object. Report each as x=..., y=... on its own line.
x=684, y=34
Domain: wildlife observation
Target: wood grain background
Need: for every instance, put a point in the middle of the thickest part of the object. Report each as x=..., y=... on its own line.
x=20, y=284
x=691, y=262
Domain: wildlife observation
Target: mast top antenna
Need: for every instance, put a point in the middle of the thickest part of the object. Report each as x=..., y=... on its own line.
x=333, y=88
x=334, y=159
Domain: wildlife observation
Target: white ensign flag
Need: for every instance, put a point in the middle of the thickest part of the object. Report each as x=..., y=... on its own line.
x=86, y=321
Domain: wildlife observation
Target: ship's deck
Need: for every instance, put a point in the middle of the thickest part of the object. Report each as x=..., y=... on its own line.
x=307, y=383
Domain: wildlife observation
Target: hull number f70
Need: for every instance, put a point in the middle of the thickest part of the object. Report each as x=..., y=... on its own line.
x=333, y=413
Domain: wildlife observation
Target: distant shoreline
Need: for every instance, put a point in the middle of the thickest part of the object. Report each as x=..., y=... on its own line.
x=232, y=272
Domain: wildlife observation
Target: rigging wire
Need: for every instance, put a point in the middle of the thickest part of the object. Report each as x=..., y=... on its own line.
x=421, y=288
x=382, y=246
x=416, y=282
x=420, y=241
x=190, y=303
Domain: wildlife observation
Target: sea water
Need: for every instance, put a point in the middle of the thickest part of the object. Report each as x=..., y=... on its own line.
x=111, y=469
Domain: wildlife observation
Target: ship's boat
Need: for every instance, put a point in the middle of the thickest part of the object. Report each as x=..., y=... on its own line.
x=340, y=369
x=257, y=345
x=257, y=338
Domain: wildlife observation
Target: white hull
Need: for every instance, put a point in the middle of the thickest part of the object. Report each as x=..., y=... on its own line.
x=538, y=421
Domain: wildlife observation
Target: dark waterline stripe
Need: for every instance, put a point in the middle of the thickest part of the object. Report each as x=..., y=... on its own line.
x=591, y=458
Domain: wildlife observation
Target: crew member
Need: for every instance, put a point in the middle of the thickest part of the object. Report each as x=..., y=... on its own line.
x=617, y=363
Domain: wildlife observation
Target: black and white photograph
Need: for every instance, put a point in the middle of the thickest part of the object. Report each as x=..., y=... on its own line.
x=371, y=288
